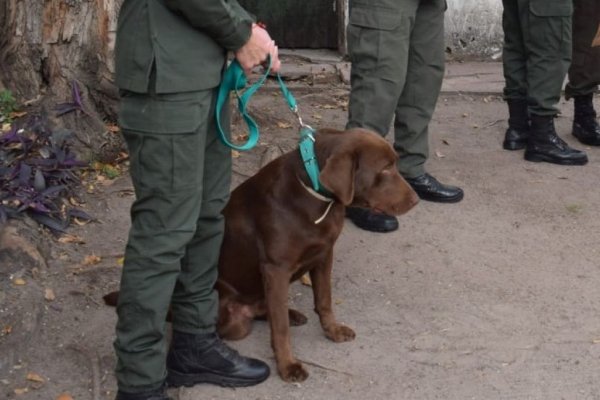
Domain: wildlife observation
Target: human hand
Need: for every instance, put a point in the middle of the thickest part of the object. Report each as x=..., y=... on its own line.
x=256, y=51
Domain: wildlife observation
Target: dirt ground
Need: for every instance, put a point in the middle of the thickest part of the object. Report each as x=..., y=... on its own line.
x=495, y=297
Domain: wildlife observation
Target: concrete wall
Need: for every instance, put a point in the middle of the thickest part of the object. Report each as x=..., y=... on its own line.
x=474, y=29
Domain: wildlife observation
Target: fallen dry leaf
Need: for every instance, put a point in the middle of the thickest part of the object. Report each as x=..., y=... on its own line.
x=284, y=125
x=439, y=154
x=91, y=260
x=6, y=330
x=235, y=154
x=81, y=222
x=445, y=142
x=19, y=281
x=33, y=377
x=68, y=238
x=120, y=261
x=305, y=280
x=18, y=114
x=64, y=396
x=21, y=391
x=112, y=128
x=49, y=294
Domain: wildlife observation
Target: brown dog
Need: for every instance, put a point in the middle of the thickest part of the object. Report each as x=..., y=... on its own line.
x=271, y=237
x=277, y=229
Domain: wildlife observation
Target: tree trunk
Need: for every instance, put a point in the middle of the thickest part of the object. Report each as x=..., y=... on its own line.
x=47, y=46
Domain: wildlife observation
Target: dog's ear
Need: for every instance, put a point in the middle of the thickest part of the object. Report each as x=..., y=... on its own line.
x=337, y=176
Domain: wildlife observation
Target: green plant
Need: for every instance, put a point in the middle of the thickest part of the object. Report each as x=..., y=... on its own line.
x=8, y=104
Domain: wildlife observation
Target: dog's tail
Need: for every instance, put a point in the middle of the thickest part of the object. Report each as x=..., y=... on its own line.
x=111, y=299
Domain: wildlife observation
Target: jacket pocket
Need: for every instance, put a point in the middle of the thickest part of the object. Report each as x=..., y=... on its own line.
x=551, y=8
x=161, y=114
x=379, y=18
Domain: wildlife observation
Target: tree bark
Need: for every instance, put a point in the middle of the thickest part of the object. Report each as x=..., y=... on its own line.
x=47, y=46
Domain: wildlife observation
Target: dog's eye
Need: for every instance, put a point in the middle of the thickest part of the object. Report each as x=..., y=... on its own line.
x=388, y=169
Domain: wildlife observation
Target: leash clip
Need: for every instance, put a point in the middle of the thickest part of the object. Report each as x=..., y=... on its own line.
x=296, y=112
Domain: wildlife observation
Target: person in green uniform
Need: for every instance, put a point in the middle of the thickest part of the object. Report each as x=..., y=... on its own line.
x=536, y=57
x=396, y=50
x=170, y=56
x=584, y=73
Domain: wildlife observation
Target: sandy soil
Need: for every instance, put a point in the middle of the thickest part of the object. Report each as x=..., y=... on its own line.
x=492, y=298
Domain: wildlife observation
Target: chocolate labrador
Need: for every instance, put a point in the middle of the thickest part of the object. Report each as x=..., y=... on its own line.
x=277, y=228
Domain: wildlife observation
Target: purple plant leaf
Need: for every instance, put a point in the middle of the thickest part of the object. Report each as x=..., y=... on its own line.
x=65, y=108
x=76, y=95
x=39, y=207
x=39, y=182
x=25, y=175
x=53, y=224
x=53, y=190
x=78, y=213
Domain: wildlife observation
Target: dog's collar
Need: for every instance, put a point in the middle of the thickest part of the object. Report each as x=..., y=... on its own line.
x=318, y=196
x=307, y=152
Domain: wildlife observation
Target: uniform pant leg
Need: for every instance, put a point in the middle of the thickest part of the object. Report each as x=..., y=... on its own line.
x=584, y=72
x=166, y=138
x=514, y=55
x=547, y=34
x=378, y=46
x=425, y=72
x=195, y=301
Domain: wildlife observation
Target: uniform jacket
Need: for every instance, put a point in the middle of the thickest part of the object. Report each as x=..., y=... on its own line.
x=186, y=41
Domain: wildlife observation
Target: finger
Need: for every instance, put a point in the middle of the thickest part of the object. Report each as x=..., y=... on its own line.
x=275, y=62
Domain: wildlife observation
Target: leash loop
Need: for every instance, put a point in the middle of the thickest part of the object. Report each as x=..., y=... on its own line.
x=234, y=79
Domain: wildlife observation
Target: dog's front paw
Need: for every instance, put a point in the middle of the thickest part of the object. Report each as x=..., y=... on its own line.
x=293, y=372
x=340, y=333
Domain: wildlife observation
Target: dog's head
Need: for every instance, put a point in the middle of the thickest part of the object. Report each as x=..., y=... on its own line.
x=360, y=170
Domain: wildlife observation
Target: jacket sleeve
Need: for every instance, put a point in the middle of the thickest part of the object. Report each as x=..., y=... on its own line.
x=223, y=20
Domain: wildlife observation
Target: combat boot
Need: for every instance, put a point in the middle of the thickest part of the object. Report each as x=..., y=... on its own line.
x=205, y=358
x=517, y=133
x=545, y=145
x=585, y=126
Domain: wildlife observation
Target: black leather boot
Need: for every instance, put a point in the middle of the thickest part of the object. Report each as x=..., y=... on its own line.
x=545, y=145
x=205, y=358
x=430, y=189
x=585, y=126
x=517, y=133
x=371, y=220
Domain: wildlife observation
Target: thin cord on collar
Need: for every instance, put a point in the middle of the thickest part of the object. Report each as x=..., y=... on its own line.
x=320, y=197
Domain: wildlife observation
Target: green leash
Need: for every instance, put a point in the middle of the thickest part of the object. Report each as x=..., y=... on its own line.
x=235, y=80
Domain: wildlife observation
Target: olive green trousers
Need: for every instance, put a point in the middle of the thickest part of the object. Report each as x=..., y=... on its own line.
x=584, y=73
x=397, y=53
x=181, y=175
x=537, y=51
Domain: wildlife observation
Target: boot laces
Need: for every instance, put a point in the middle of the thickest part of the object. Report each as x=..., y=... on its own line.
x=227, y=352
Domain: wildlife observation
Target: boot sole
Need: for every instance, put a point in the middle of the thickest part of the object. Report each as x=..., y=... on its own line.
x=435, y=199
x=177, y=379
x=543, y=158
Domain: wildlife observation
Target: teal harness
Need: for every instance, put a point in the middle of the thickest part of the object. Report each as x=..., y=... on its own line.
x=235, y=80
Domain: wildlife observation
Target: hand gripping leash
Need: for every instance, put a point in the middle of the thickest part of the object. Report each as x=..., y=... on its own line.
x=234, y=79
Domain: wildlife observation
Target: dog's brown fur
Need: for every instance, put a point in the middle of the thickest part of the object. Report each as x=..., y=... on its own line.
x=271, y=237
